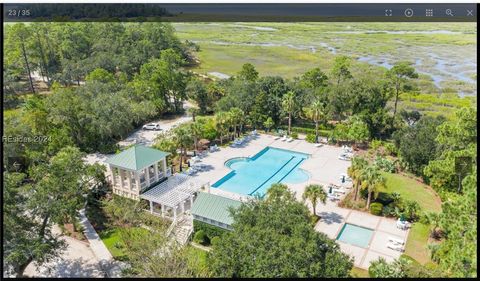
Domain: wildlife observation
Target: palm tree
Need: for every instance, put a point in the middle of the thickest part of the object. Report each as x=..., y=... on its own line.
x=288, y=104
x=221, y=124
x=372, y=180
x=237, y=116
x=182, y=137
x=433, y=219
x=315, y=112
x=355, y=172
x=315, y=193
x=277, y=191
x=196, y=130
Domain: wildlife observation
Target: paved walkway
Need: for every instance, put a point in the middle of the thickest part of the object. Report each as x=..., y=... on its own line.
x=103, y=255
x=78, y=260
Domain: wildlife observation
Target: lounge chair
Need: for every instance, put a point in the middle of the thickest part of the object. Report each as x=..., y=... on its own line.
x=338, y=190
x=346, y=148
x=284, y=138
x=319, y=144
x=276, y=137
x=403, y=224
x=396, y=240
x=395, y=247
x=195, y=159
x=190, y=172
x=343, y=157
x=333, y=196
x=289, y=139
x=347, y=178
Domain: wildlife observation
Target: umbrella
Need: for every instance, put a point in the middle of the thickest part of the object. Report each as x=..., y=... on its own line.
x=343, y=179
x=330, y=190
x=402, y=217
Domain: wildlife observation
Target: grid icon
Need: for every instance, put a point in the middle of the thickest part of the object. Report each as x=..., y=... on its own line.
x=429, y=12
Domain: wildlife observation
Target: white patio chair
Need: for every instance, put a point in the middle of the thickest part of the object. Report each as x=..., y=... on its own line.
x=395, y=247
x=396, y=240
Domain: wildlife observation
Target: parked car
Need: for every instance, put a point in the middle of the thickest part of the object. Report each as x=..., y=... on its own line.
x=152, y=126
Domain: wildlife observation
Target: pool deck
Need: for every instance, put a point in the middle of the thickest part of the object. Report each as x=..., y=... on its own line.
x=324, y=168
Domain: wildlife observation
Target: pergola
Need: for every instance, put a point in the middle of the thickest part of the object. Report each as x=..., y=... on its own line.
x=136, y=169
x=173, y=193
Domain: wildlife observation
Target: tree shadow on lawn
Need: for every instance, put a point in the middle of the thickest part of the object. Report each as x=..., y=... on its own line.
x=330, y=217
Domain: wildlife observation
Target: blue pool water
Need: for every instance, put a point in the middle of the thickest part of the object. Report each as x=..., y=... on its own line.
x=355, y=235
x=251, y=176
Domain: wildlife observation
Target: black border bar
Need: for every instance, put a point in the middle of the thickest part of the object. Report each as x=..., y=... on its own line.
x=378, y=12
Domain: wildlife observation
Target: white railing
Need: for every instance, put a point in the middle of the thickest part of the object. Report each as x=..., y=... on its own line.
x=171, y=227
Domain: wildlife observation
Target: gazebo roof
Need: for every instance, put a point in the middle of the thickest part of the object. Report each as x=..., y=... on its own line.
x=214, y=207
x=173, y=191
x=137, y=158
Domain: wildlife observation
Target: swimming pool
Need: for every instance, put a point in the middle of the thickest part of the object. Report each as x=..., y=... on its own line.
x=255, y=175
x=355, y=235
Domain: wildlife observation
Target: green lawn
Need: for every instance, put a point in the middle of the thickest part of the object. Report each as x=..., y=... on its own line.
x=197, y=261
x=413, y=190
x=113, y=241
x=417, y=243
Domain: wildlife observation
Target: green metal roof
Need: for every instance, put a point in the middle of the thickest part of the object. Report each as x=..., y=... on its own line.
x=214, y=207
x=137, y=157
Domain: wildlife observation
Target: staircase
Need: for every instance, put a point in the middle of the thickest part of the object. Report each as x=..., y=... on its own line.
x=183, y=229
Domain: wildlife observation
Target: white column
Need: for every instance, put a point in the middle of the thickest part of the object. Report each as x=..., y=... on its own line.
x=191, y=201
x=121, y=177
x=175, y=213
x=147, y=176
x=155, y=166
x=151, y=207
x=163, y=211
x=137, y=181
x=165, y=166
x=129, y=179
x=112, y=174
x=183, y=206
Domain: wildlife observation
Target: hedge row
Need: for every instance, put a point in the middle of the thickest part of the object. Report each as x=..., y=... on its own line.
x=301, y=130
x=209, y=230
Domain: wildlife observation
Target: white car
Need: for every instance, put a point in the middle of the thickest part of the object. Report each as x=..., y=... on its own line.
x=152, y=126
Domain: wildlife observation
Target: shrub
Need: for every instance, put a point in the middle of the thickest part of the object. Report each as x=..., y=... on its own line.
x=389, y=210
x=201, y=238
x=215, y=240
x=210, y=230
x=322, y=133
x=310, y=138
x=314, y=219
x=376, y=208
x=294, y=135
x=412, y=210
x=385, y=164
x=391, y=149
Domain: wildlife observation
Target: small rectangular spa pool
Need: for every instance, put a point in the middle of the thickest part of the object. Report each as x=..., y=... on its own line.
x=355, y=235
